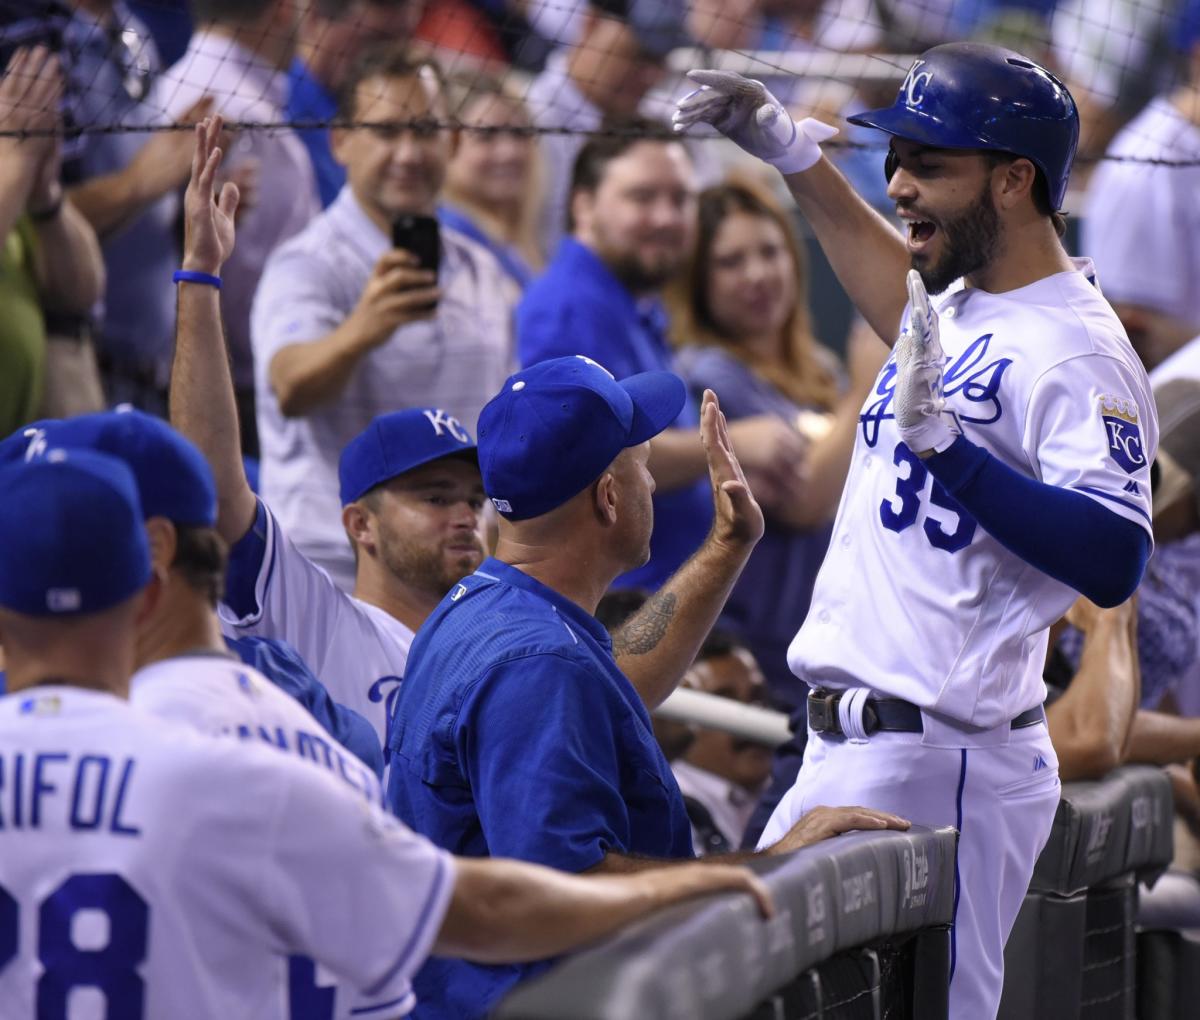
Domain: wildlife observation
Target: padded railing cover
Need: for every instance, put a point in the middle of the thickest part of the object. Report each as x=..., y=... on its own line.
x=1105, y=829
x=716, y=959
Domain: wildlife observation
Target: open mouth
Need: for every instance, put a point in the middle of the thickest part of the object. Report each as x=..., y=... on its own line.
x=920, y=233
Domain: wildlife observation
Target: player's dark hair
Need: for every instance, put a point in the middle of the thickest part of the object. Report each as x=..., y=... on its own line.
x=200, y=559
x=618, y=138
x=386, y=60
x=1041, y=189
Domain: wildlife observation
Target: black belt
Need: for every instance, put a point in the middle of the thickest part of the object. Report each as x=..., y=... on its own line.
x=890, y=714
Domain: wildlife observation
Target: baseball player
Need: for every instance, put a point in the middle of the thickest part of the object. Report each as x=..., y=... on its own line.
x=186, y=672
x=410, y=490
x=1001, y=466
x=147, y=871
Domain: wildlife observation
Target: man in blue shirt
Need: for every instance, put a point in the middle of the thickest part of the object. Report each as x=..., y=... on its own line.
x=631, y=218
x=332, y=36
x=521, y=730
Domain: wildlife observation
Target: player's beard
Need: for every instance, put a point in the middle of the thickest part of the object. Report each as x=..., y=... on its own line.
x=969, y=243
x=429, y=569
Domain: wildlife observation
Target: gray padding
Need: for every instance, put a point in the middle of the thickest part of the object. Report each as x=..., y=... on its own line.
x=1043, y=960
x=716, y=959
x=1105, y=829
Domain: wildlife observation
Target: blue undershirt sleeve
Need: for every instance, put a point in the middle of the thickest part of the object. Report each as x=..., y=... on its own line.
x=1063, y=533
x=244, y=566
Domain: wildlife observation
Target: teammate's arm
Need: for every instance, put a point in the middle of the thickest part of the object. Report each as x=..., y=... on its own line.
x=657, y=644
x=1090, y=724
x=201, y=396
x=867, y=254
x=505, y=911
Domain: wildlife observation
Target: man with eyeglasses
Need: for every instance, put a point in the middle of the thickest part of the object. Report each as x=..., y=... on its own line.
x=347, y=327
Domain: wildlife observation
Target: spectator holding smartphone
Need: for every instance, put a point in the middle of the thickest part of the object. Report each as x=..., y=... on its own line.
x=346, y=326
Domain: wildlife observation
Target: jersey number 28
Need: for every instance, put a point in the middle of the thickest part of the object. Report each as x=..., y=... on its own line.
x=909, y=489
x=110, y=967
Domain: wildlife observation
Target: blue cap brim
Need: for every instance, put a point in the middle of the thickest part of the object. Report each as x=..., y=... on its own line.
x=657, y=397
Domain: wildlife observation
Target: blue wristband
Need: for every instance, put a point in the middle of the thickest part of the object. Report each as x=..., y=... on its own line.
x=191, y=276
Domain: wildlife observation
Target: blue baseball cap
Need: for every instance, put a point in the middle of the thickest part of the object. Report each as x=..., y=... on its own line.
x=398, y=442
x=555, y=426
x=72, y=539
x=173, y=478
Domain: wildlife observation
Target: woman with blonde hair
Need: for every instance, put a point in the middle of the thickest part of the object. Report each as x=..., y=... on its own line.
x=492, y=180
x=740, y=317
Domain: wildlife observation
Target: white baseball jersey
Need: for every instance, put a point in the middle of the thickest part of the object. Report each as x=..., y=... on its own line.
x=914, y=599
x=1130, y=202
x=149, y=871
x=222, y=696
x=358, y=650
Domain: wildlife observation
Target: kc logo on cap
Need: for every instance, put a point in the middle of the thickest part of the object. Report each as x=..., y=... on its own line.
x=396, y=443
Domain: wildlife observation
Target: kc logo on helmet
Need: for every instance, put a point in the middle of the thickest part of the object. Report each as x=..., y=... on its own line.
x=1120, y=419
x=914, y=85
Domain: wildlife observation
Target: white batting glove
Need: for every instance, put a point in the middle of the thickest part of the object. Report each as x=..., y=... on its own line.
x=746, y=113
x=921, y=416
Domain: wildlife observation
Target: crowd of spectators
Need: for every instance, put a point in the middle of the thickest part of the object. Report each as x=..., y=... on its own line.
x=342, y=432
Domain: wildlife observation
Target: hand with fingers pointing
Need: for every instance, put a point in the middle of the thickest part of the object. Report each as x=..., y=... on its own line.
x=745, y=112
x=208, y=229
x=921, y=416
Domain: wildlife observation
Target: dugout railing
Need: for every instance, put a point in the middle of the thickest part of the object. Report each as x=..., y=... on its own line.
x=1072, y=954
x=861, y=931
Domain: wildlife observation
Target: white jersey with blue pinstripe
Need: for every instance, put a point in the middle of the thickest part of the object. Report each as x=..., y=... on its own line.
x=1044, y=378
x=148, y=870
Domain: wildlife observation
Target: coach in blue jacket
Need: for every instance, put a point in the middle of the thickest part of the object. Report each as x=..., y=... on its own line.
x=521, y=729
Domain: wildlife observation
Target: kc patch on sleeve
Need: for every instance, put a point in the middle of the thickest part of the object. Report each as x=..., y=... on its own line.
x=1120, y=418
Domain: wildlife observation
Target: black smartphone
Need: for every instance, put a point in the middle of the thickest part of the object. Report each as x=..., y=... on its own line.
x=421, y=236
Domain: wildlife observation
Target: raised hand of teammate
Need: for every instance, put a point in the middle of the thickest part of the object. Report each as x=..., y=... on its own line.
x=921, y=418
x=737, y=519
x=745, y=112
x=208, y=220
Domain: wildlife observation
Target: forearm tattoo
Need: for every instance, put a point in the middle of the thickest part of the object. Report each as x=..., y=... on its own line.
x=643, y=631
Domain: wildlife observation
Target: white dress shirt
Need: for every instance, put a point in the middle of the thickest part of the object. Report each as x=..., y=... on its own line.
x=457, y=361
x=729, y=804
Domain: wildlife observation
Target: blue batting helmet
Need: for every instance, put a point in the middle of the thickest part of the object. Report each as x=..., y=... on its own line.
x=972, y=96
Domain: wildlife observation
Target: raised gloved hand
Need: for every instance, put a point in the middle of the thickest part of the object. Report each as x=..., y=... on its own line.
x=746, y=113
x=921, y=416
